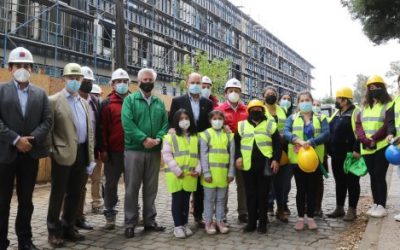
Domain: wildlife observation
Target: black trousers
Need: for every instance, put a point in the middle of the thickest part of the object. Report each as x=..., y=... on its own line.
x=377, y=166
x=66, y=181
x=180, y=207
x=345, y=182
x=257, y=188
x=306, y=184
x=24, y=168
x=198, y=199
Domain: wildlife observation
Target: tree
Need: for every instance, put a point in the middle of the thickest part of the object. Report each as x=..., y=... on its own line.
x=360, y=88
x=380, y=18
x=328, y=100
x=394, y=69
x=217, y=69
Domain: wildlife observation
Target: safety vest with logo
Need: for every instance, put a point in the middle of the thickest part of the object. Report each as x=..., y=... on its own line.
x=354, y=115
x=261, y=134
x=372, y=120
x=397, y=115
x=218, y=157
x=281, y=113
x=298, y=130
x=185, y=151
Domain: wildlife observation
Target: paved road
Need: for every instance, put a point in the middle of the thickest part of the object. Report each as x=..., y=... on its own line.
x=280, y=235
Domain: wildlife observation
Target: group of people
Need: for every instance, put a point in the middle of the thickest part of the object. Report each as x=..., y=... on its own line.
x=204, y=145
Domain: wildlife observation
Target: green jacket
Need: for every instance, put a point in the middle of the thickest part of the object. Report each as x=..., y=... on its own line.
x=141, y=120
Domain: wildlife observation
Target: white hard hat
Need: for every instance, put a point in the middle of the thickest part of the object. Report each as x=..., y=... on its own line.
x=20, y=55
x=87, y=73
x=233, y=83
x=206, y=79
x=96, y=89
x=72, y=69
x=119, y=74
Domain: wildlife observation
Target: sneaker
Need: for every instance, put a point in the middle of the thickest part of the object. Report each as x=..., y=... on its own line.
x=271, y=211
x=372, y=208
x=351, y=214
x=188, y=231
x=110, y=224
x=210, y=228
x=311, y=224
x=338, y=212
x=397, y=217
x=179, y=232
x=97, y=210
x=299, y=225
x=379, y=212
x=222, y=228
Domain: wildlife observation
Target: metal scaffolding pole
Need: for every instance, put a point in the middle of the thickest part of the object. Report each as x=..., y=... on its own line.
x=56, y=40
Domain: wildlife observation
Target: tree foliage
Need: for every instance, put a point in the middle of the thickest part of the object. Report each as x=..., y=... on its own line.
x=394, y=69
x=380, y=18
x=217, y=69
x=328, y=100
x=360, y=88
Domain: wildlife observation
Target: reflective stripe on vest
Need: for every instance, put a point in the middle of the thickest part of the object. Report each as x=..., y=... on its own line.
x=397, y=115
x=261, y=134
x=280, y=112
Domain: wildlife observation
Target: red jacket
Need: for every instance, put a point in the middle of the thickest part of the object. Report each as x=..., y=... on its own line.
x=111, y=126
x=232, y=117
x=214, y=99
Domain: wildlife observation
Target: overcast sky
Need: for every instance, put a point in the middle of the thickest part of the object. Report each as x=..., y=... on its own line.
x=326, y=36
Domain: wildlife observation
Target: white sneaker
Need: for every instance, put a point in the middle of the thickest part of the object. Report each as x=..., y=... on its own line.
x=210, y=228
x=379, y=212
x=188, y=231
x=179, y=232
x=372, y=208
x=397, y=217
x=222, y=228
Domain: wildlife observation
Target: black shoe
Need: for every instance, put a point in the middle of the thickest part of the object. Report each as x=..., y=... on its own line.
x=318, y=213
x=129, y=232
x=262, y=229
x=243, y=218
x=338, y=212
x=73, y=235
x=249, y=228
x=83, y=224
x=27, y=246
x=154, y=228
x=200, y=223
x=55, y=241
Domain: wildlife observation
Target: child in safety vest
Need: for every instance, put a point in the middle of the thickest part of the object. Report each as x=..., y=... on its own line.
x=217, y=162
x=182, y=167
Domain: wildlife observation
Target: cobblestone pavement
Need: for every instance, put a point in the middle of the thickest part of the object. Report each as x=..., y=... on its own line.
x=279, y=235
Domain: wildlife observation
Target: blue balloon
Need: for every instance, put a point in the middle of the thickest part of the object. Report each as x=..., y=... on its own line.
x=392, y=154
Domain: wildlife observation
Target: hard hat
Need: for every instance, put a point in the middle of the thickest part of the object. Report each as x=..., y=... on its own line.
x=375, y=79
x=119, y=74
x=206, y=79
x=392, y=154
x=255, y=103
x=233, y=83
x=20, y=55
x=73, y=69
x=96, y=89
x=87, y=73
x=307, y=159
x=284, y=159
x=345, y=92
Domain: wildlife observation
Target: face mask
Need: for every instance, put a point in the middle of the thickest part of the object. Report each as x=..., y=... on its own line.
x=285, y=103
x=146, y=86
x=184, y=124
x=121, y=88
x=217, y=124
x=22, y=75
x=316, y=109
x=194, y=89
x=270, y=99
x=305, y=107
x=73, y=85
x=233, y=97
x=376, y=93
x=205, y=92
x=337, y=105
x=256, y=115
x=86, y=87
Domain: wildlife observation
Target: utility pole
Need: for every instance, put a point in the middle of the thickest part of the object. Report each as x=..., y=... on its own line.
x=119, y=57
x=330, y=85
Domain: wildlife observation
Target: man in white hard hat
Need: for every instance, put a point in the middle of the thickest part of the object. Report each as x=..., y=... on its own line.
x=97, y=91
x=71, y=151
x=206, y=86
x=235, y=111
x=25, y=121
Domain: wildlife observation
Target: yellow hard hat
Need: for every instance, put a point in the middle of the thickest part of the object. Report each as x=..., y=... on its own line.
x=345, y=92
x=284, y=159
x=72, y=69
x=255, y=103
x=375, y=79
x=307, y=159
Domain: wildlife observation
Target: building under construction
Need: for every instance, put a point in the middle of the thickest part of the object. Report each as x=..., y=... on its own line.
x=159, y=34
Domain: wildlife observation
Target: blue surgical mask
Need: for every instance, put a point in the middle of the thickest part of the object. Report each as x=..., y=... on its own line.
x=194, y=89
x=285, y=103
x=305, y=107
x=121, y=88
x=73, y=85
x=316, y=109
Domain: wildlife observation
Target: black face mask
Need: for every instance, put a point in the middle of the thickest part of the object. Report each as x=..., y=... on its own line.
x=337, y=105
x=147, y=86
x=86, y=87
x=256, y=115
x=376, y=93
x=270, y=99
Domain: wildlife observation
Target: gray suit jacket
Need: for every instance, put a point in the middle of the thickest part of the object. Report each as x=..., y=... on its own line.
x=37, y=121
x=63, y=137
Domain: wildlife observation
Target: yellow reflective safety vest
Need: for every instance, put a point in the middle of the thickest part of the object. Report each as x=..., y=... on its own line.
x=218, y=157
x=281, y=113
x=372, y=120
x=354, y=115
x=298, y=130
x=261, y=134
x=186, y=155
x=397, y=115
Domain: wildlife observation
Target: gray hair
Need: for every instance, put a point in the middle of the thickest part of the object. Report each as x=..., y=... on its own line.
x=146, y=70
x=270, y=88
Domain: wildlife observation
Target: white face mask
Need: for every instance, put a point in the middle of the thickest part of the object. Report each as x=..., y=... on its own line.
x=22, y=75
x=184, y=124
x=217, y=124
x=233, y=97
x=205, y=92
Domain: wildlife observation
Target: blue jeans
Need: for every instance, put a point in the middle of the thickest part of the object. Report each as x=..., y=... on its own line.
x=214, y=200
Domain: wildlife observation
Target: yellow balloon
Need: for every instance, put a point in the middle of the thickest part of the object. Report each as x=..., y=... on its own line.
x=284, y=159
x=307, y=159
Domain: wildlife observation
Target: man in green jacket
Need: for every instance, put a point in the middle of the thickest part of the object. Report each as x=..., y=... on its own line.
x=145, y=122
